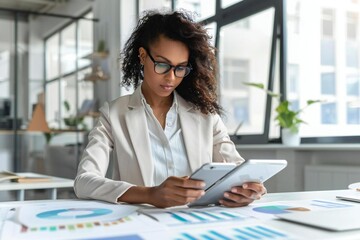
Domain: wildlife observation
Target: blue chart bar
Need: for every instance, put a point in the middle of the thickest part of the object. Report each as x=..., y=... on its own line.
x=259, y=232
x=271, y=231
x=206, y=237
x=326, y=204
x=188, y=236
x=203, y=216
x=195, y=215
x=245, y=233
x=219, y=235
x=210, y=215
x=178, y=217
x=229, y=215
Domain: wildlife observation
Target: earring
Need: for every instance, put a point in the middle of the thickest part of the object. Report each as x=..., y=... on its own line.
x=142, y=70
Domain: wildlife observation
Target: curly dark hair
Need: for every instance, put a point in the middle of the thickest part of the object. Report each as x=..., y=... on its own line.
x=199, y=87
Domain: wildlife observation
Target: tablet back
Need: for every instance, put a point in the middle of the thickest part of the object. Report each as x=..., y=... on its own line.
x=253, y=170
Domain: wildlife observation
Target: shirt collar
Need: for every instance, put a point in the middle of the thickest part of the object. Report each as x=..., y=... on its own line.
x=175, y=103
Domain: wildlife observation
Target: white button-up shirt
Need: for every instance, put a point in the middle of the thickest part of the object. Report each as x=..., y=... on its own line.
x=167, y=145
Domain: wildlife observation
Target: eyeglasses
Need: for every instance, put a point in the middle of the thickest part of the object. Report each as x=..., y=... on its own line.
x=162, y=68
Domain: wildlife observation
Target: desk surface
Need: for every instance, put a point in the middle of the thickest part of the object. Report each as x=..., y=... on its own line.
x=300, y=231
x=54, y=182
x=304, y=231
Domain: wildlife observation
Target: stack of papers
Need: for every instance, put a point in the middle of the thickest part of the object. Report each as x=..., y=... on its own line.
x=6, y=175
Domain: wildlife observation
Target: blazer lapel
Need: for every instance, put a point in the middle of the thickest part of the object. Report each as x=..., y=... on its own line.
x=190, y=126
x=139, y=135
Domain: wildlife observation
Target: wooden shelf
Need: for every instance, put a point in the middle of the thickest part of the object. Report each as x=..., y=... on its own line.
x=97, y=55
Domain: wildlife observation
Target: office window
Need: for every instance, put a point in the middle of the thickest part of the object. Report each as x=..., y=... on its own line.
x=328, y=113
x=52, y=56
x=293, y=78
x=227, y=3
x=327, y=40
x=211, y=30
x=328, y=19
x=154, y=4
x=352, y=54
x=293, y=17
x=52, y=94
x=244, y=55
x=5, y=74
x=68, y=49
x=352, y=46
x=353, y=85
x=352, y=25
x=85, y=40
x=328, y=83
x=353, y=112
x=202, y=8
x=236, y=72
x=65, y=63
x=326, y=51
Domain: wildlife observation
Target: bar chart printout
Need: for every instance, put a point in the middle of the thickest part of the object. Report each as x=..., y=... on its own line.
x=250, y=232
x=200, y=216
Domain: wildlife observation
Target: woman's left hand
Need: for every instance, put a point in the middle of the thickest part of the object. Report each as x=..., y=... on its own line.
x=243, y=195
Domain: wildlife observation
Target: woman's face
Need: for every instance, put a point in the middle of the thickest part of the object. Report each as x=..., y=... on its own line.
x=164, y=50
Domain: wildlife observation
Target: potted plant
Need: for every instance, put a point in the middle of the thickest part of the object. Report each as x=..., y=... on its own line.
x=73, y=121
x=287, y=119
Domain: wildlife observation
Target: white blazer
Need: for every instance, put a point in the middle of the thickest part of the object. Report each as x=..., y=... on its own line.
x=122, y=128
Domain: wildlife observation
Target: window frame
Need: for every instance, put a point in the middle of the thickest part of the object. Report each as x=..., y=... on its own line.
x=243, y=10
x=74, y=72
x=246, y=8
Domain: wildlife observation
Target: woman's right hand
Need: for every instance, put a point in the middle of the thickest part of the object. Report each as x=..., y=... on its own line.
x=175, y=191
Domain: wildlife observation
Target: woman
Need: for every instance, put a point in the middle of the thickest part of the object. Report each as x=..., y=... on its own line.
x=167, y=128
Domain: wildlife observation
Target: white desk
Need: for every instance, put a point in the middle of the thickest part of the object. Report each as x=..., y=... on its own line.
x=300, y=231
x=53, y=184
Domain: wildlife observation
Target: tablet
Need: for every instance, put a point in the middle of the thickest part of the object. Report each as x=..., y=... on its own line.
x=253, y=170
x=210, y=173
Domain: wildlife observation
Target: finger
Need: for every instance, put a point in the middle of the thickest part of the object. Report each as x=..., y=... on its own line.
x=247, y=193
x=237, y=198
x=228, y=203
x=188, y=192
x=256, y=187
x=189, y=183
x=182, y=200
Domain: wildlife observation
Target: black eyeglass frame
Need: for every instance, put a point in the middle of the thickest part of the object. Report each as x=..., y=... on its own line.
x=188, y=68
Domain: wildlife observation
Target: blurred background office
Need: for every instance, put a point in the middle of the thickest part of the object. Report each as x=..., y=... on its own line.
x=59, y=63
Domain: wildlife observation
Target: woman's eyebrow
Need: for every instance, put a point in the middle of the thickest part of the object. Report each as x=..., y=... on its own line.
x=167, y=60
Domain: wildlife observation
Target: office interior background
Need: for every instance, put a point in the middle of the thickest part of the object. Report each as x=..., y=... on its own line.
x=63, y=55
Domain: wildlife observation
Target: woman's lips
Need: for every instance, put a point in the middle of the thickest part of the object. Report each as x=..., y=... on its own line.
x=167, y=87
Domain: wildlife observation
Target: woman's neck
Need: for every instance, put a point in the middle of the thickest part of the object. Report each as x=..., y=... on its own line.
x=158, y=102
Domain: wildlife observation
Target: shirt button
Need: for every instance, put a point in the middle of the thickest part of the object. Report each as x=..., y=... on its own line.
x=169, y=124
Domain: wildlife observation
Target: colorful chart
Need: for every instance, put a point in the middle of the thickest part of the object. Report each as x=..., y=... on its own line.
x=74, y=227
x=63, y=213
x=74, y=213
